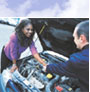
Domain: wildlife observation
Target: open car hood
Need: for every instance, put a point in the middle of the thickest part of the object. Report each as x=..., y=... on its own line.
x=56, y=34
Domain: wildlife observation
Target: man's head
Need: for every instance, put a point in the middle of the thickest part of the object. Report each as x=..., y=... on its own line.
x=81, y=34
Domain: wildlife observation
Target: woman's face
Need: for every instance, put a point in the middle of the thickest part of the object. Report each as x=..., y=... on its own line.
x=28, y=30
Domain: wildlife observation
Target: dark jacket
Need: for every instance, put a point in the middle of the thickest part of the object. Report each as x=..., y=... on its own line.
x=77, y=66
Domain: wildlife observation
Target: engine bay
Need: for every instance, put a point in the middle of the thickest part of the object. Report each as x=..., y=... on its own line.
x=31, y=77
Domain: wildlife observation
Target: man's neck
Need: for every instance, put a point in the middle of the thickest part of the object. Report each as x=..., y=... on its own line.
x=84, y=45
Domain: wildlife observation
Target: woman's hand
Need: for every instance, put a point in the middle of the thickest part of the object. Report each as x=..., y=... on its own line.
x=39, y=59
x=43, y=63
x=13, y=68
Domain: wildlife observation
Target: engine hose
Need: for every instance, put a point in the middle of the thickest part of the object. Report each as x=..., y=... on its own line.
x=51, y=83
x=12, y=86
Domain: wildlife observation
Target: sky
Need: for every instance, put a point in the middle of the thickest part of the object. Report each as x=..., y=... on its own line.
x=44, y=8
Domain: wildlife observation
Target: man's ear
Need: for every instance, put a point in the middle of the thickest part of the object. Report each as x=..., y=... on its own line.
x=83, y=38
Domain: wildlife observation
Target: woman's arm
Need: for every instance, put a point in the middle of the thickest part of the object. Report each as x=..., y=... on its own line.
x=13, y=51
x=39, y=59
x=35, y=54
x=14, y=66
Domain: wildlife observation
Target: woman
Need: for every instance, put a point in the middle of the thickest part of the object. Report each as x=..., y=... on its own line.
x=19, y=41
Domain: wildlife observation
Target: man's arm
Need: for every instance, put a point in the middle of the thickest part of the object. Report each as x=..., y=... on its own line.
x=63, y=68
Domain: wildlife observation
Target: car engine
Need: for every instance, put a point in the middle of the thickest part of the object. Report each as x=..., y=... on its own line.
x=31, y=77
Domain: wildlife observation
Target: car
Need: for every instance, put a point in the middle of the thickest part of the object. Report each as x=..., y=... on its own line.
x=9, y=21
x=55, y=35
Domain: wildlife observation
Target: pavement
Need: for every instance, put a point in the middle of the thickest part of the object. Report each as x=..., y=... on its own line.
x=5, y=32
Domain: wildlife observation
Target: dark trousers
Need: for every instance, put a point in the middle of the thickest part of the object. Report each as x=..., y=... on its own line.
x=5, y=62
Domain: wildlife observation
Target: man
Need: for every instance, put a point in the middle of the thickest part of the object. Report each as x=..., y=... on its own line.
x=78, y=64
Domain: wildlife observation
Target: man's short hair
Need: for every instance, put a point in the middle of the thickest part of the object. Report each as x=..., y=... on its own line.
x=83, y=28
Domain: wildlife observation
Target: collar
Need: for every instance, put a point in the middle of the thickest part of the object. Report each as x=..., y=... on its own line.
x=85, y=47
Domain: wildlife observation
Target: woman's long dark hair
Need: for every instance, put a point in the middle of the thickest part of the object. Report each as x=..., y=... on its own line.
x=24, y=41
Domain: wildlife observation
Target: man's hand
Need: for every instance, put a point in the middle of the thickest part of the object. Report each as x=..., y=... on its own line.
x=14, y=67
x=44, y=68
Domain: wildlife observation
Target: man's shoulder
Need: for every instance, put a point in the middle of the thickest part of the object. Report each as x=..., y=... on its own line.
x=80, y=56
x=84, y=52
